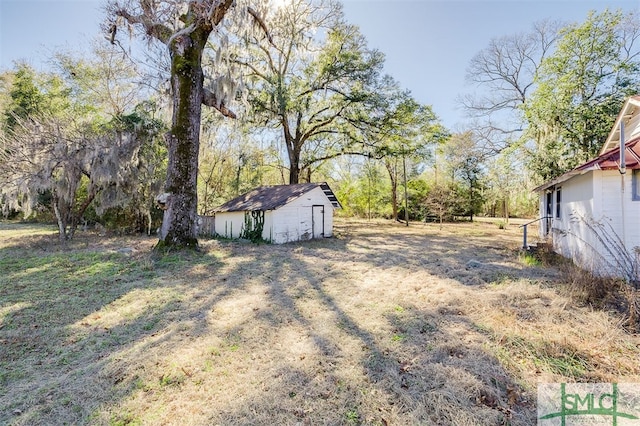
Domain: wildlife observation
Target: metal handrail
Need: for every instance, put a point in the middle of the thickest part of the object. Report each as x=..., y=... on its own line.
x=535, y=220
x=524, y=233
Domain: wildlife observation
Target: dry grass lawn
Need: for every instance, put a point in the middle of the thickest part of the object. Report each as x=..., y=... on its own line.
x=381, y=325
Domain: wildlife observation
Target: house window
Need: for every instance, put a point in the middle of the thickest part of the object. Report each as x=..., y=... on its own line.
x=549, y=203
x=558, y=199
x=635, y=185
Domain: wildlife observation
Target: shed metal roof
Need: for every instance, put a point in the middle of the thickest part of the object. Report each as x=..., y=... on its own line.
x=272, y=197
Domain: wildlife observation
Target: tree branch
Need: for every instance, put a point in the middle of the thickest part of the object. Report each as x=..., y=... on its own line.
x=314, y=129
x=261, y=24
x=323, y=88
x=210, y=99
x=217, y=13
x=153, y=28
x=312, y=161
x=255, y=70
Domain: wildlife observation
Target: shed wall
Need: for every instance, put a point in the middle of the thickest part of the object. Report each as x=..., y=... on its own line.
x=229, y=224
x=294, y=221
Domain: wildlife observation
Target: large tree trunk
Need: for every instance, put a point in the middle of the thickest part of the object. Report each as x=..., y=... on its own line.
x=179, y=228
x=183, y=140
x=294, y=173
x=294, y=164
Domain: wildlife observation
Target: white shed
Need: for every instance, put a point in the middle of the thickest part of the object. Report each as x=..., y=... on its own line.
x=592, y=213
x=281, y=213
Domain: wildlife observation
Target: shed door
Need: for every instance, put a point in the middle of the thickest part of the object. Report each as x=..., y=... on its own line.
x=317, y=217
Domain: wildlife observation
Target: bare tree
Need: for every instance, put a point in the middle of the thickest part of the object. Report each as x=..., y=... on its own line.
x=505, y=73
x=186, y=28
x=104, y=81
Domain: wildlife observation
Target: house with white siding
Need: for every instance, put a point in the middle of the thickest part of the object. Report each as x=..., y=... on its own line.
x=279, y=213
x=592, y=213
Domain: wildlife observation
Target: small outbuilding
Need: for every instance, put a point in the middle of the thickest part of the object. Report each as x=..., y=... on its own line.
x=591, y=213
x=278, y=214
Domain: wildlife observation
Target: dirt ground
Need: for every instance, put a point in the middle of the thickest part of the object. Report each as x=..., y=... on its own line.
x=381, y=325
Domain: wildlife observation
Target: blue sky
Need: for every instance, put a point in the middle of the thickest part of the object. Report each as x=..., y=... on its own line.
x=428, y=43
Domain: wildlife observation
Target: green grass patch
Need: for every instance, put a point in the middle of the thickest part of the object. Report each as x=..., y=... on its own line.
x=352, y=416
x=530, y=259
x=553, y=357
x=398, y=337
x=125, y=419
x=70, y=308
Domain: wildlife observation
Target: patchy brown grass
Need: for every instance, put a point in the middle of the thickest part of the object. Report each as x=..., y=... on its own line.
x=382, y=325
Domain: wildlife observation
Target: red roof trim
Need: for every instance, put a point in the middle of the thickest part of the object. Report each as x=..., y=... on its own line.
x=610, y=160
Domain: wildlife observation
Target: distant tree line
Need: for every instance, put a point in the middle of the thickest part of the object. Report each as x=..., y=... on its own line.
x=293, y=93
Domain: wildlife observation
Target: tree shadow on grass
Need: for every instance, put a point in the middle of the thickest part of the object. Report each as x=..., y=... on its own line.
x=305, y=354
x=58, y=329
x=330, y=332
x=404, y=367
x=474, y=257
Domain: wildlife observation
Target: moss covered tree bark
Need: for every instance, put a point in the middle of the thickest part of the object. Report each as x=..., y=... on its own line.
x=183, y=141
x=186, y=42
